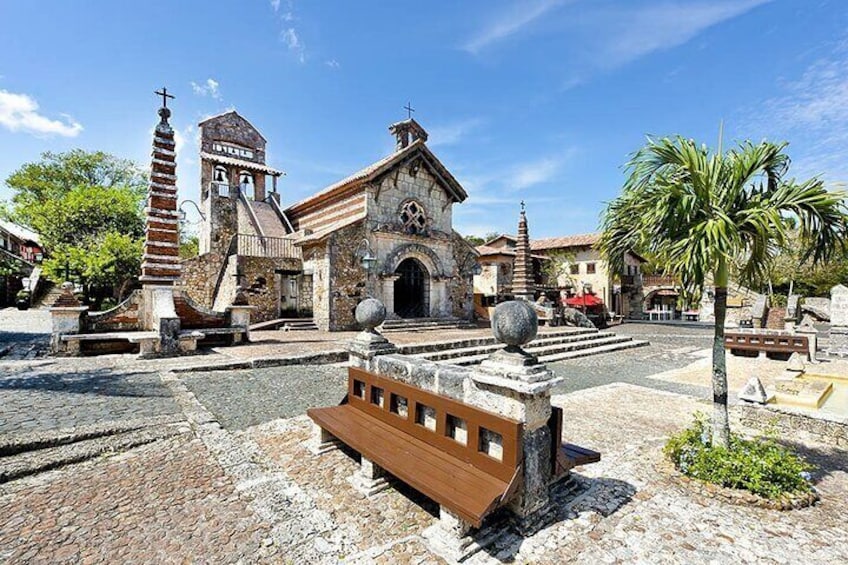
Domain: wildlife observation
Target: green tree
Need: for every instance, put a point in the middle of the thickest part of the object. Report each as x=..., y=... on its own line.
x=558, y=268
x=189, y=246
x=87, y=208
x=699, y=211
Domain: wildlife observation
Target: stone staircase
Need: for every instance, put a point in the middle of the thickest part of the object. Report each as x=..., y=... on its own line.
x=48, y=297
x=286, y=324
x=556, y=345
x=425, y=324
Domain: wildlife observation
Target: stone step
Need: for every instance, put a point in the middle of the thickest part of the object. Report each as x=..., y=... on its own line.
x=629, y=344
x=417, y=325
x=557, y=352
x=439, y=346
x=542, y=342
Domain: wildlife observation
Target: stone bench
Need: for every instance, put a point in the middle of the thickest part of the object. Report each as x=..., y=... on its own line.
x=238, y=334
x=146, y=340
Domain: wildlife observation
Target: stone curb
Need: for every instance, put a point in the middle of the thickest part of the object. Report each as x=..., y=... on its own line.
x=323, y=358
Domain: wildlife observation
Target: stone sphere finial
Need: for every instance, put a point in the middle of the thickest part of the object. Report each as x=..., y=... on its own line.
x=68, y=286
x=515, y=323
x=370, y=313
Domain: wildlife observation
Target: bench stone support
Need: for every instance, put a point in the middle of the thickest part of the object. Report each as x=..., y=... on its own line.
x=66, y=321
x=321, y=441
x=370, y=479
x=455, y=540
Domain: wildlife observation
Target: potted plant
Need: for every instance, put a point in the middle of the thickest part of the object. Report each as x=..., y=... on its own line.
x=22, y=299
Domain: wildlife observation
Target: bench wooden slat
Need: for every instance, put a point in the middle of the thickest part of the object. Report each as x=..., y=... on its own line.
x=580, y=455
x=460, y=486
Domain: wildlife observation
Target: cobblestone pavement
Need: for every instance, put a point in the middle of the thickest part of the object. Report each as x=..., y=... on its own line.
x=24, y=334
x=52, y=399
x=166, y=503
x=240, y=399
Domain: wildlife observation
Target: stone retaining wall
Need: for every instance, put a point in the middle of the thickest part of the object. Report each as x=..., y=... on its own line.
x=792, y=425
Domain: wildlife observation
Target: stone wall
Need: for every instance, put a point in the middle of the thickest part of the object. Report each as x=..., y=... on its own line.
x=792, y=425
x=396, y=188
x=316, y=261
x=346, y=283
x=199, y=275
x=461, y=285
x=261, y=284
x=123, y=317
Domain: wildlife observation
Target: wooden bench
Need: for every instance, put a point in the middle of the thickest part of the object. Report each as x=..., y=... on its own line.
x=465, y=458
x=767, y=343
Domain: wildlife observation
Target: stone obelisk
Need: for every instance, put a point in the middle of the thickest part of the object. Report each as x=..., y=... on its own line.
x=160, y=267
x=522, y=273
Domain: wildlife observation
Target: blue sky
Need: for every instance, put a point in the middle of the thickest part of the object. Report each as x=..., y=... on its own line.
x=540, y=100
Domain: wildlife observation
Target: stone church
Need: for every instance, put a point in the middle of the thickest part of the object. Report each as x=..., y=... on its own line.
x=385, y=231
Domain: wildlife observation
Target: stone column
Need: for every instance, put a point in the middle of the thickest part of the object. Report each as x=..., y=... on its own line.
x=523, y=387
x=838, y=321
x=66, y=315
x=388, y=283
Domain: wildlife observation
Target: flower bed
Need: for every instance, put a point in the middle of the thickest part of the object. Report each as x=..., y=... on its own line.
x=758, y=472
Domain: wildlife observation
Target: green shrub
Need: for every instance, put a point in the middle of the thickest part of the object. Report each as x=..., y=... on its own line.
x=760, y=465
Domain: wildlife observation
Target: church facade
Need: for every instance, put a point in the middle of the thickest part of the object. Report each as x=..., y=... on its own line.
x=385, y=231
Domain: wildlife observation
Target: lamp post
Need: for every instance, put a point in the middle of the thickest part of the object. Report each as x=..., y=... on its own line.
x=183, y=214
x=367, y=259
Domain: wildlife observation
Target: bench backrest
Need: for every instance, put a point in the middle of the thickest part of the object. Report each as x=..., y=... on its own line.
x=459, y=429
x=766, y=342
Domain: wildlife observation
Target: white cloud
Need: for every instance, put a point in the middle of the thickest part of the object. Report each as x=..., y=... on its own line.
x=452, y=133
x=811, y=112
x=275, y=5
x=530, y=174
x=208, y=88
x=293, y=42
x=634, y=33
x=510, y=23
x=332, y=63
x=19, y=112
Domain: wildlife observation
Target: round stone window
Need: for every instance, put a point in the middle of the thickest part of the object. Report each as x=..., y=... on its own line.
x=412, y=217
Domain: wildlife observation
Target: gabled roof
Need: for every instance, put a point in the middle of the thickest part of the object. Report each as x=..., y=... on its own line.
x=486, y=251
x=228, y=112
x=504, y=236
x=379, y=168
x=581, y=240
x=248, y=165
x=19, y=232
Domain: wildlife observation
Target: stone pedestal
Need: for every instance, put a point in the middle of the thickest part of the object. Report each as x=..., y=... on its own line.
x=66, y=320
x=321, y=441
x=240, y=318
x=369, y=343
x=158, y=313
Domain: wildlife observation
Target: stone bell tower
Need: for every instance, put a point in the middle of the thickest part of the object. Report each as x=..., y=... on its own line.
x=232, y=169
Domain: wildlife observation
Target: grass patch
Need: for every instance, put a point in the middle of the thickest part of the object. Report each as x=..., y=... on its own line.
x=761, y=465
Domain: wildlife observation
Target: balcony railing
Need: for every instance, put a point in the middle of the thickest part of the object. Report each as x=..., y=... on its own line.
x=271, y=247
x=658, y=280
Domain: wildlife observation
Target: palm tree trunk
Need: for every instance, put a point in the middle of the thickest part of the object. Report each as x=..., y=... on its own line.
x=721, y=425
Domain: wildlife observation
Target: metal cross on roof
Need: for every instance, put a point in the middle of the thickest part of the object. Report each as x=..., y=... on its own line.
x=409, y=109
x=164, y=94
x=522, y=205
x=238, y=275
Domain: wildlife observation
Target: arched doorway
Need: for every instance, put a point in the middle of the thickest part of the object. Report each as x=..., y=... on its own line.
x=412, y=289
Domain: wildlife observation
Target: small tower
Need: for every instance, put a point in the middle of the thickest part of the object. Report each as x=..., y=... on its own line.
x=232, y=168
x=161, y=260
x=522, y=273
x=407, y=132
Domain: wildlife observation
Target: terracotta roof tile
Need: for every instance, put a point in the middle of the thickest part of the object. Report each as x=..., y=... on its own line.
x=581, y=240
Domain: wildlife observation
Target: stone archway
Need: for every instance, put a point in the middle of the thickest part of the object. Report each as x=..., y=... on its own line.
x=412, y=289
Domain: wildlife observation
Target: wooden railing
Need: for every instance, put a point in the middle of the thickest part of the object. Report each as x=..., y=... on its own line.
x=271, y=247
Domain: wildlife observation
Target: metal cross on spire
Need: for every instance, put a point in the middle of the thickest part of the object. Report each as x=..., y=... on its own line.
x=522, y=206
x=409, y=109
x=164, y=94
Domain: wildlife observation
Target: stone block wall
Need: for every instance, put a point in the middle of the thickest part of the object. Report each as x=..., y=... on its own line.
x=123, y=317
x=199, y=275
x=792, y=425
x=261, y=284
x=316, y=261
x=461, y=285
x=385, y=201
x=346, y=280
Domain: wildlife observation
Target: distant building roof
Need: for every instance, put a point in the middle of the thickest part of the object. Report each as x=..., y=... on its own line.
x=19, y=232
x=487, y=251
x=581, y=240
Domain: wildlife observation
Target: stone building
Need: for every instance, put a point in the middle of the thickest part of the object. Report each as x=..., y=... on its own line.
x=384, y=231
x=581, y=266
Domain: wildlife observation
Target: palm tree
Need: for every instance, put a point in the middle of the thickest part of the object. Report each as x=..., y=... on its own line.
x=701, y=213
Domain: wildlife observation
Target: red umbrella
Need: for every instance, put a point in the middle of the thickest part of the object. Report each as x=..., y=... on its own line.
x=587, y=300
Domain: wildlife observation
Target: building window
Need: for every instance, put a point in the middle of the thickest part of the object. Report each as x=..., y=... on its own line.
x=413, y=218
x=575, y=268
x=590, y=268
